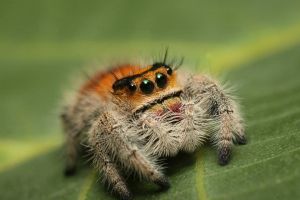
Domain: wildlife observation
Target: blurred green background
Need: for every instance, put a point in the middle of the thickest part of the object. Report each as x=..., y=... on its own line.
x=253, y=44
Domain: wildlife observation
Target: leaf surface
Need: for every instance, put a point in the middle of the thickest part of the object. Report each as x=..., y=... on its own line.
x=43, y=43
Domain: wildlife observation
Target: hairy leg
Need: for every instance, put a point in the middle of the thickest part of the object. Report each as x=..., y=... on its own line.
x=76, y=118
x=72, y=145
x=223, y=108
x=239, y=133
x=107, y=168
x=109, y=134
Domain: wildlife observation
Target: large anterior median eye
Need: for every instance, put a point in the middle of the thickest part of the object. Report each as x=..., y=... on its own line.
x=161, y=80
x=147, y=86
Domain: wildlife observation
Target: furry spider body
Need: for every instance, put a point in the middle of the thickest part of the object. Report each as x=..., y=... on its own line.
x=131, y=116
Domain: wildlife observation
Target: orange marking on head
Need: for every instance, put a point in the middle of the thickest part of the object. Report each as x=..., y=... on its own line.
x=103, y=82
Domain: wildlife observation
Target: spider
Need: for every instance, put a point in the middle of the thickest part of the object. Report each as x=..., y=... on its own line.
x=131, y=116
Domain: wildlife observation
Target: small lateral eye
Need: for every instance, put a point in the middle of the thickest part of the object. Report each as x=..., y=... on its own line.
x=131, y=86
x=147, y=86
x=161, y=80
x=169, y=70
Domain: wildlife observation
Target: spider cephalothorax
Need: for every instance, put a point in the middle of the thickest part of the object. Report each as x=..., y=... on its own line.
x=130, y=116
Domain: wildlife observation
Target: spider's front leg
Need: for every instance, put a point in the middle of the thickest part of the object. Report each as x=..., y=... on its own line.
x=223, y=108
x=102, y=157
x=72, y=145
x=106, y=138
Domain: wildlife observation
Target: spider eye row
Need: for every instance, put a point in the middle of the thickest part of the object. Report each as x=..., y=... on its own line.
x=147, y=86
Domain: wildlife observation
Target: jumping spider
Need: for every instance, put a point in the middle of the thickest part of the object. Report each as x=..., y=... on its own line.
x=130, y=116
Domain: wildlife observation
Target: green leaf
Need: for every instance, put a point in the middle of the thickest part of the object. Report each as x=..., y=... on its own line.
x=266, y=168
x=44, y=42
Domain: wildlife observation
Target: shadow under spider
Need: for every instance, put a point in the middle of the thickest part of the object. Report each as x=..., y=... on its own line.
x=172, y=166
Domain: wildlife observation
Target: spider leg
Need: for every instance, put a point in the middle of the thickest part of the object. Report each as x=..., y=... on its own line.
x=87, y=108
x=72, y=144
x=222, y=107
x=239, y=133
x=104, y=164
x=114, y=141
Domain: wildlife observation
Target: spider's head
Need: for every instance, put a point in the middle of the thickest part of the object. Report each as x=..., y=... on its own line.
x=148, y=87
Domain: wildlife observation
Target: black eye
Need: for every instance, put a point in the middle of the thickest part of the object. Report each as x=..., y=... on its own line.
x=169, y=70
x=147, y=86
x=131, y=86
x=161, y=80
